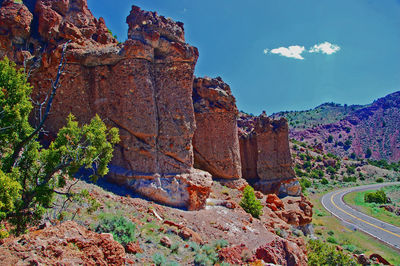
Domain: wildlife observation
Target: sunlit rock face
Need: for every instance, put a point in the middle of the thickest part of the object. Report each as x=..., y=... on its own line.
x=216, y=142
x=265, y=154
x=142, y=86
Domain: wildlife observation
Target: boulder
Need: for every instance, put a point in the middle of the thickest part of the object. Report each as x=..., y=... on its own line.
x=64, y=244
x=281, y=252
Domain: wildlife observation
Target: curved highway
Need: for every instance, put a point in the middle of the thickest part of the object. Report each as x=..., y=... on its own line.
x=385, y=232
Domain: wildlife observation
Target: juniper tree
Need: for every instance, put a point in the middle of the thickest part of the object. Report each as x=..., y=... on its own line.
x=30, y=174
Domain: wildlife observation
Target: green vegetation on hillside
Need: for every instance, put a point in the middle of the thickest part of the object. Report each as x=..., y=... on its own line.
x=323, y=114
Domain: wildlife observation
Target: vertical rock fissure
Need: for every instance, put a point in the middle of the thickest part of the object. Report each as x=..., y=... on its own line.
x=157, y=112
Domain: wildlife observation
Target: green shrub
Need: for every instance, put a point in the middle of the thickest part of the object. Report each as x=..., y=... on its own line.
x=379, y=180
x=159, y=259
x=3, y=232
x=121, y=228
x=305, y=183
x=378, y=196
x=250, y=203
x=320, y=253
x=324, y=181
x=349, y=179
x=221, y=243
x=207, y=255
x=332, y=240
x=330, y=170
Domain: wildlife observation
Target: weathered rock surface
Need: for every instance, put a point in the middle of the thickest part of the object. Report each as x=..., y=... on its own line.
x=281, y=252
x=215, y=142
x=143, y=86
x=65, y=244
x=265, y=154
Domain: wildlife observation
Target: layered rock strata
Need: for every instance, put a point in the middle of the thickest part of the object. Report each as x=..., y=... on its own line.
x=142, y=86
x=216, y=142
x=265, y=156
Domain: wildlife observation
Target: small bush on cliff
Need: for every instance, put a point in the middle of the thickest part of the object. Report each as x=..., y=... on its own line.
x=250, y=203
x=29, y=173
x=121, y=228
x=320, y=253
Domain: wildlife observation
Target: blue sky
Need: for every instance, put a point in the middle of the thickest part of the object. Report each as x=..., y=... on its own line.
x=359, y=63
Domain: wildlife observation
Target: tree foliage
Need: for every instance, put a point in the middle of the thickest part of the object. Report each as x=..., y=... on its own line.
x=29, y=173
x=378, y=196
x=250, y=203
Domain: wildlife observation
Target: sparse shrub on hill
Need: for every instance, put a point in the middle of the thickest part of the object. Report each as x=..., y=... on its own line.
x=305, y=183
x=379, y=180
x=368, y=153
x=250, y=203
x=121, y=228
x=378, y=196
x=349, y=179
x=330, y=170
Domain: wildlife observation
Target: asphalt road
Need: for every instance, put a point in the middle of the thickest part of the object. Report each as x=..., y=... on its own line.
x=385, y=232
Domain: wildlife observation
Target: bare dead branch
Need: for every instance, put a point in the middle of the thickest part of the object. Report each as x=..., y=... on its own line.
x=55, y=85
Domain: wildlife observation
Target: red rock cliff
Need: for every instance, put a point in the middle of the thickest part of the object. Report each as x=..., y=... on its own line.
x=216, y=143
x=265, y=154
x=142, y=86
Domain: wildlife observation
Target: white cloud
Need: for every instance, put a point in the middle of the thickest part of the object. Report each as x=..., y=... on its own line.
x=325, y=48
x=265, y=51
x=291, y=51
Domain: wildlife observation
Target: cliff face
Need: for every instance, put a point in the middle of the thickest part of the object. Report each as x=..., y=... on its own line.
x=216, y=143
x=265, y=157
x=143, y=86
x=374, y=127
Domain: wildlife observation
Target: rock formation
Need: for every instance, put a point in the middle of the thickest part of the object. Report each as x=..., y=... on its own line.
x=143, y=86
x=64, y=244
x=265, y=155
x=215, y=142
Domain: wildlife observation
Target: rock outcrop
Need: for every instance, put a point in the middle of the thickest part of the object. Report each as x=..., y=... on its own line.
x=142, y=86
x=265, y=154
x=216, y=142
x=65, y=244
x=145, y=87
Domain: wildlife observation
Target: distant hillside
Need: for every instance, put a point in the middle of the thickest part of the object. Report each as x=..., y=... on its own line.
x=371, y=131
x=323, y=114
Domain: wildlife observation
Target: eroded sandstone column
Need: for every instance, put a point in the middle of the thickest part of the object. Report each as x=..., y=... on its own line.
x=265, y=154
x=216, y=143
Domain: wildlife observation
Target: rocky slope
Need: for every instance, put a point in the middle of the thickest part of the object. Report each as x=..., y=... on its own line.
x=369, y=132
x=64, y=244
